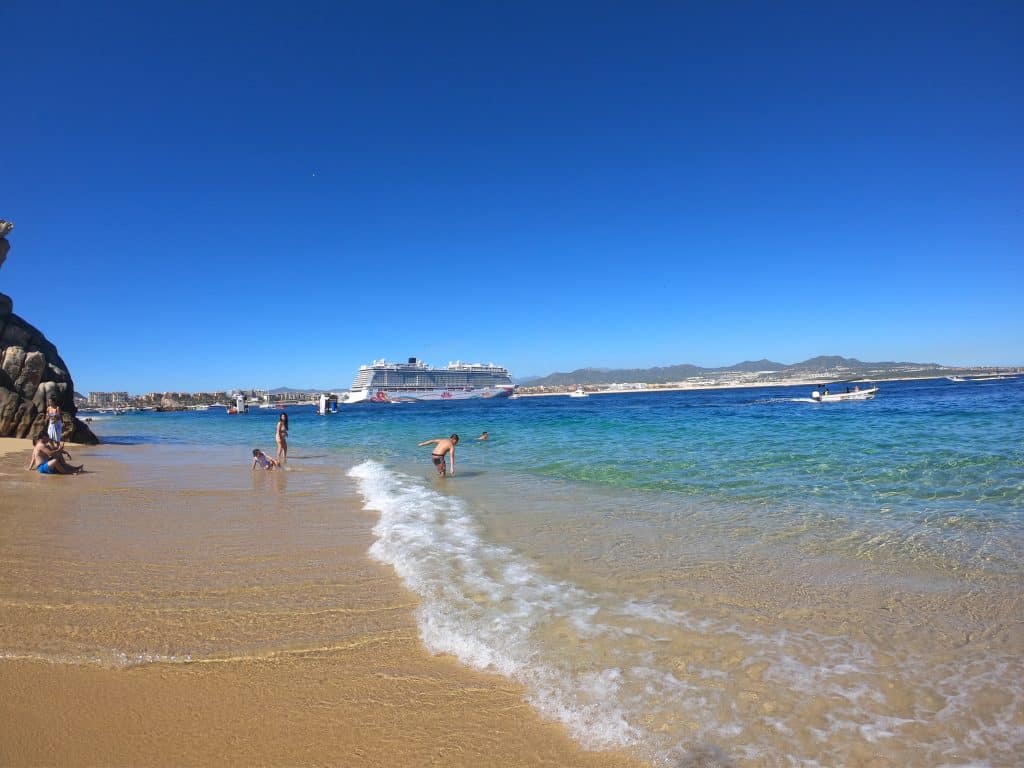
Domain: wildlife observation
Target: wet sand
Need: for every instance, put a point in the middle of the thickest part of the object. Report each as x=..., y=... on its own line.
x=171, y=607
x=16, y=445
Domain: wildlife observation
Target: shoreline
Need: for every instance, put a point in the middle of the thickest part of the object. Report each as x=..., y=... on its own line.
x=170, y=607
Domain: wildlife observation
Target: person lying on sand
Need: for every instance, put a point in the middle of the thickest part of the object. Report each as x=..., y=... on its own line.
x=48, y=458
x=259, y=458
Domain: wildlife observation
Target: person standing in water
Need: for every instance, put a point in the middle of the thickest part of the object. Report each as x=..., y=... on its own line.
x=282, y=438
x=54, y=421
x=443, y=447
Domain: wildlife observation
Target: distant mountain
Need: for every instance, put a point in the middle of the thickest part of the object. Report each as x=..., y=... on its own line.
x=661, y=375
x=829, y=362
x=753, y=366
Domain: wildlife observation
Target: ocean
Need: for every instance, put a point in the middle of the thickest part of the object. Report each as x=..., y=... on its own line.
x=744, y=571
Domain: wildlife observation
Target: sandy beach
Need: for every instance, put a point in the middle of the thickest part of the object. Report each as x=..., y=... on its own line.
x=15, y=445
x=170, y=607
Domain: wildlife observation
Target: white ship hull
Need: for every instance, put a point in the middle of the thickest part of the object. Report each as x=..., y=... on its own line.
x=399, y=395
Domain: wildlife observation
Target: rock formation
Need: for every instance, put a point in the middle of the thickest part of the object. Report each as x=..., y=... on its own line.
x=31, y=372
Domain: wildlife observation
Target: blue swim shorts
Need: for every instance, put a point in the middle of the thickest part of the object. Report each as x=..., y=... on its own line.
x=44, y=469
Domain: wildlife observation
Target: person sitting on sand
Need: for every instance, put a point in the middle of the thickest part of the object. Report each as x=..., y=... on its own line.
x=443, y=447
x=264, y=461
x=48, y=458
x=53, y=446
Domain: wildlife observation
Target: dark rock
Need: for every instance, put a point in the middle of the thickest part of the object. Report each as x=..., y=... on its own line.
x=5, y=227
x=31, y=372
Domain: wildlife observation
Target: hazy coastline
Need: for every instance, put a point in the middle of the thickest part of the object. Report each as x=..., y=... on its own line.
x=796, y=382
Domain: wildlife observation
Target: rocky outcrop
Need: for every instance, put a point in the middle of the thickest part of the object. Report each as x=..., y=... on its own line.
x=32, y=372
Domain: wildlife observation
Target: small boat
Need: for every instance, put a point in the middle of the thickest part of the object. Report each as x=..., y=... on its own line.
x=957, y=379
x=327, y=405
x=838, y=397
x=578, y=393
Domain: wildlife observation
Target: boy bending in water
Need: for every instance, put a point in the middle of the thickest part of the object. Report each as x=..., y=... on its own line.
x=443, y=447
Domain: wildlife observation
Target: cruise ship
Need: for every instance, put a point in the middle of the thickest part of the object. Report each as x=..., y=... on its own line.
x=384, y=382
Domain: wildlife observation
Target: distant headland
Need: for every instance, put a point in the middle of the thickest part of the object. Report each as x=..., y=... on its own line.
x=750, y=373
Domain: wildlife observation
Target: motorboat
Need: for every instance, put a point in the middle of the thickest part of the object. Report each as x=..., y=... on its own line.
x=838, y=397
x=578, y=392
x=957, y=379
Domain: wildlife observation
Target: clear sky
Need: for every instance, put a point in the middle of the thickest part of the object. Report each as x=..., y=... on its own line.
x=224, y=194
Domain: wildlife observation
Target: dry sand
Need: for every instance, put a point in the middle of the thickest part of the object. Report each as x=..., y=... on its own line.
x=171, y=607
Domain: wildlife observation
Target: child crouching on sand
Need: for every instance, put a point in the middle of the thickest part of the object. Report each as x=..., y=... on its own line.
x=262, y=460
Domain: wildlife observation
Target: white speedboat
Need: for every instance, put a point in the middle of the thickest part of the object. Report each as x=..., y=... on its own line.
x=578, y=392
x=837, y=397
x=957, y=379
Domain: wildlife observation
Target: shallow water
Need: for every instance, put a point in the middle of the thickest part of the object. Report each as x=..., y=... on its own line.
x=794, y=583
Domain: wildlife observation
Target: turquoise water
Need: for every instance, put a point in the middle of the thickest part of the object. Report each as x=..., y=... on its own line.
x=925, y=457
x=793, y=583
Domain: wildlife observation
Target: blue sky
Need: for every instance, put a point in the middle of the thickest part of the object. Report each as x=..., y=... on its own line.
x=212, y=195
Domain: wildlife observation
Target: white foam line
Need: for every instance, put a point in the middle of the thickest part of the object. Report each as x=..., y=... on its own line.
x=112, y=658
x=432, y=544
x=493, y=610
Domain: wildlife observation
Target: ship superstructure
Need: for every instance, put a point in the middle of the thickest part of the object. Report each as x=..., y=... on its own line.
x=384, y=382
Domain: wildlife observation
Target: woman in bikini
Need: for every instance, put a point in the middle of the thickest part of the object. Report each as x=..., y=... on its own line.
x=443, y=446
x=282, y=438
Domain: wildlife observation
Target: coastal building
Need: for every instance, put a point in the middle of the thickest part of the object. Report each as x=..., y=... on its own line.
x=107, y=399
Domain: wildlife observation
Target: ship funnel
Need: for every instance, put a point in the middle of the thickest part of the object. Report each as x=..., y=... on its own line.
x=412, y=361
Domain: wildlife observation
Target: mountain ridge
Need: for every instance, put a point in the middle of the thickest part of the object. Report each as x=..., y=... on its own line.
x=665, y=374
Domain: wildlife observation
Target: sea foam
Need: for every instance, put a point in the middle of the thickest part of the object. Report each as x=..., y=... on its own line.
x=486, y=606
x=626, y=672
